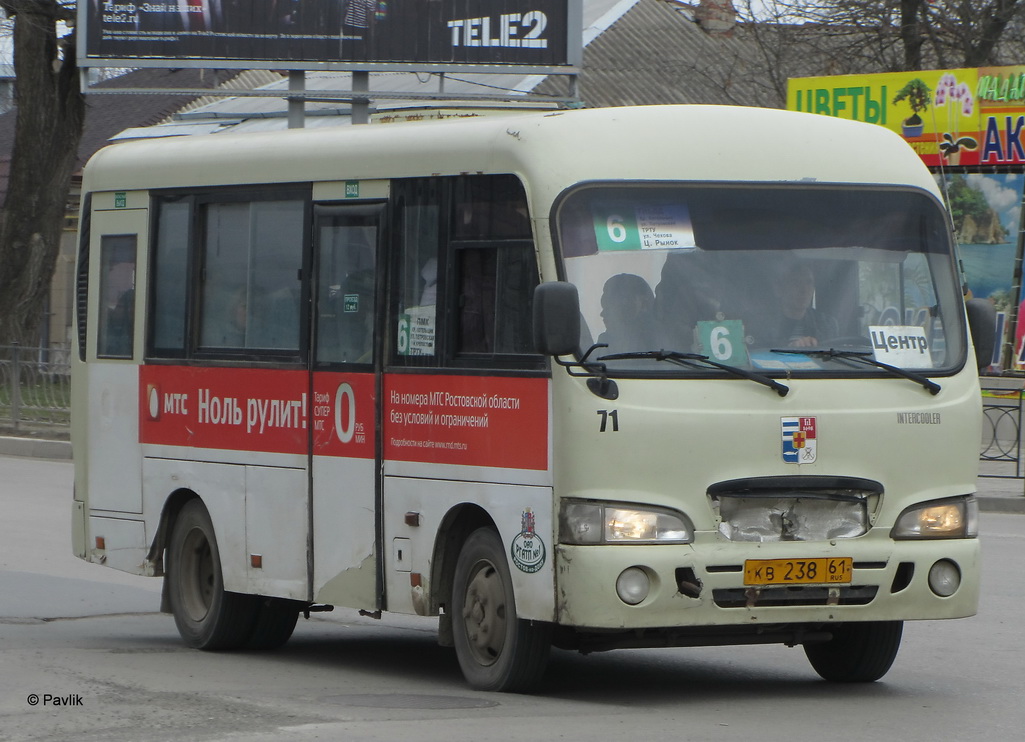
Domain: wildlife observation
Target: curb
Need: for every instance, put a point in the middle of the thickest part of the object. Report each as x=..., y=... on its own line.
x=1001, y=504
x=36, y=448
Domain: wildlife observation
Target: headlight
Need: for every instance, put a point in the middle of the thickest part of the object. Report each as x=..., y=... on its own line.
x=607, y=523
x=954, y=518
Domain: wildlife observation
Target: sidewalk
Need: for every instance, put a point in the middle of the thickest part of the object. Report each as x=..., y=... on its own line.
x=1001, y=495
x=995, y=495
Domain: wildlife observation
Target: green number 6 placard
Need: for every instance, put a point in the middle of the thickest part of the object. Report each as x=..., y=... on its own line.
x=723, y=341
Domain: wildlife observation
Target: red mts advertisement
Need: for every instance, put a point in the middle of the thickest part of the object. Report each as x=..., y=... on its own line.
x=468, y=420
x=230, y=408
x=257, y=410
x=343, y=415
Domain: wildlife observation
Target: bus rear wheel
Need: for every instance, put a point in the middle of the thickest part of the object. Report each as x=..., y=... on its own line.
x=497, y=651
x=858, y=652
x=274, y=623
x=206, y=615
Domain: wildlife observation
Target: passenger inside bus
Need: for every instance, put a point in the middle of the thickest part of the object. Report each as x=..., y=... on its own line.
x=685, y=295
x=628, y=310
x=798, y=323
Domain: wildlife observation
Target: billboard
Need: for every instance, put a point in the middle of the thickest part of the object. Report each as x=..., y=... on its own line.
x=957, y=117
x=332, y=34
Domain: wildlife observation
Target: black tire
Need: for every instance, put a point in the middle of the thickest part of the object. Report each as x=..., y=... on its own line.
x=858, y=652
x=497, y=651
x=275, y=623
x=207, y=617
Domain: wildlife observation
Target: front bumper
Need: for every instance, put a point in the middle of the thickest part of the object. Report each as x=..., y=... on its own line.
x=702, y=584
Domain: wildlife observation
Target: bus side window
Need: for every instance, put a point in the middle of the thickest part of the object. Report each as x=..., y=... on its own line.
x=496, y=286
x=251, y=262
x=117, y=296
x=418, y=274
x=169, y=286
x=466, y=271
x=225, y=295
x=276, y=258
x=490, y=207
x=495, y=266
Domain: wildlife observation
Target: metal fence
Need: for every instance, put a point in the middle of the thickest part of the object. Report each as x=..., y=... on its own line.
x=1001, y=433
x=35, y=389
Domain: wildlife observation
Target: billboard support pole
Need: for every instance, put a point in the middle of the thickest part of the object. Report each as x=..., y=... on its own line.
x=360, y=106
x=296, y=104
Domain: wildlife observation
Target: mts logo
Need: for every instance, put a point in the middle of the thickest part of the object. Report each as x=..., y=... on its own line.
x=176, y=403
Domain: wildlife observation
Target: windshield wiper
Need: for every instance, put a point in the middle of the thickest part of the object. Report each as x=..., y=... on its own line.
x=693, y=360
x=863, y=356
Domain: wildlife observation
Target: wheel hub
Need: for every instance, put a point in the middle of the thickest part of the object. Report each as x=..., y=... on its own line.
x=198, y=571
x=484, y=613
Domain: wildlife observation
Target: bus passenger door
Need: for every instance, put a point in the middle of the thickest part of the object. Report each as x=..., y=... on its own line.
x=344, y=393
x=118, y=243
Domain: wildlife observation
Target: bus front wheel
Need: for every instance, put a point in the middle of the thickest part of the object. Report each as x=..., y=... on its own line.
x=497, y=651
x=206, y=615
x=858, y=652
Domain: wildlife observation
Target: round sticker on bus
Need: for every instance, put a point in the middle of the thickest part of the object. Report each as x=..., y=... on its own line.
x=528, y=550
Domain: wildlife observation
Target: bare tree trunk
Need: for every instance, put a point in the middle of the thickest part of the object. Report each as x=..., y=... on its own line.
x=50, y=116
x=991, y=28
x=911, y=33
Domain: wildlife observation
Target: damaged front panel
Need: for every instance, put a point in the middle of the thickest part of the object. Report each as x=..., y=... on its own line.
x=772, y=509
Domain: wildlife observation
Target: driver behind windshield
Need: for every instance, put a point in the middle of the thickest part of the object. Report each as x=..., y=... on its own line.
x=798, y=323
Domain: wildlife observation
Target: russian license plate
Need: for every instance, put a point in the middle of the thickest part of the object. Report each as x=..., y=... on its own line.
x=821, y=571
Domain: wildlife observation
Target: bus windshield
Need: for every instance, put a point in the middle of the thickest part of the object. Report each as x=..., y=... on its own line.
x=793, y=279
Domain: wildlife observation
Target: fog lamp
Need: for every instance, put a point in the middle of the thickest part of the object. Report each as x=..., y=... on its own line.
x=633, y=585
x=944, y=578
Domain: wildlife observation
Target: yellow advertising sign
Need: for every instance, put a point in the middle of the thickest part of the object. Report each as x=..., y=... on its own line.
x=950, y=117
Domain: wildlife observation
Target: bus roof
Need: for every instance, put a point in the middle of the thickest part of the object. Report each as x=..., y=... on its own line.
x=551, y=150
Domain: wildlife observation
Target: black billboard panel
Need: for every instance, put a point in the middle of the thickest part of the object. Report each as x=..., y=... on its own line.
x=531, y=33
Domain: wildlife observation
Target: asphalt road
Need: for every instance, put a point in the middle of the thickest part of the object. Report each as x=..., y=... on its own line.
x=85, y=655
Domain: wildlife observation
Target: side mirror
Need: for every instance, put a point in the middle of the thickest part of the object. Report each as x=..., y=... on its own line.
x=982, y=317
x=556, y=318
